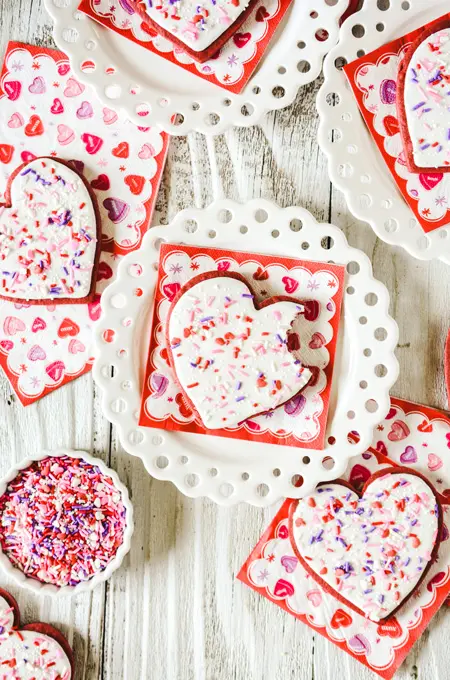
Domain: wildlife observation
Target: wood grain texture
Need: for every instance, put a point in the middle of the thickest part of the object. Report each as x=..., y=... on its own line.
x=174, y=611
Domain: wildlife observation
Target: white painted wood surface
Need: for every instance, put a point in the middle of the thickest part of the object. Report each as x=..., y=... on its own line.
x=174, y=610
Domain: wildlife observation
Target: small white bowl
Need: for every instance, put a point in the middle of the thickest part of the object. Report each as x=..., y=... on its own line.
x=41, y=588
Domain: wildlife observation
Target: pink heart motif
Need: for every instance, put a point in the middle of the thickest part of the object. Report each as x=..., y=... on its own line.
x=37, y=86
x=117, y=209
x=73, y=88
x=447, y=436
x=360, y=644
x=65, y=135
x=91, y=142
x=315, y=597
x=290, y=284
x=159, y=384
x=38, y=325
x=36, y=353
x=295, y=406
x=6, y=345
x=16, y=121
x=94, y=308
x=63, y=69
x=283, y=588
x=147, y=151
x=13, y=325
x=429, y=180
x=55, y=370
x=170, y=290
x=317, y=341
x=57, y=106
x=109, y=116
x=76, y=346
x=27, y=156
x=241, y=39
x=85, y=110
x=289, y=562
x=434, y=463
x=223, y=266
x=399, y=431
x=409, y=455
x=12, y=88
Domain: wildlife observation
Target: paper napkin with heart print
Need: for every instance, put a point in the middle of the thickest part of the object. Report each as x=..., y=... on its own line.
x=46, y=111
x=274, y=571
x=373, y=79
x=300, y=422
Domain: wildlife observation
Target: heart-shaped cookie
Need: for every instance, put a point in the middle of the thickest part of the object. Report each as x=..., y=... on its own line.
x=35, y=652
x=230, y=355
x=370, y=551
x=49, y=235
x=424, y=113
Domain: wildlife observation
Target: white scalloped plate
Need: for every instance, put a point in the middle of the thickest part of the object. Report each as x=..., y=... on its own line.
x=166, y=90
x=355, y=164
x=202, y=465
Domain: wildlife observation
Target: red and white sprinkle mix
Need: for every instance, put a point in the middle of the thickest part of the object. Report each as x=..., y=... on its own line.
x=61, y=520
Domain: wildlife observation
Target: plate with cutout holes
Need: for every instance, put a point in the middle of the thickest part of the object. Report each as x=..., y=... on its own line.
x=293, y=59
x=355, y=164
x=203, y=465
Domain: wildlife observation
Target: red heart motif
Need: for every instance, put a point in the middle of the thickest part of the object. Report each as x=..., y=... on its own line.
x=38, y=325
x=252, y=426
x=262, y=14
x=104, y=271
x=135, y=183
x=359, y=476
x=55, y=370
x=165, y=356
x=429, y=180
x=381, y=448
x=101, y=183
x=261, y=274
x=315, y=370
x=390, y=628
x=12, y=89
x=391, y=125
x=68, y=328
x=185, y=411
x=341, y=619
x=94, y=308
x=293, y=342
x=283, y=532
x=425, y=426
x=241, y=39
x=170, y=290
x=122, y=150
x=27, y=156
x=399, y=431
x=317, y=341
x=108, y=335
x=312, y=310
x=34, y=127
x=148, y=29
x=63, y=69
x=6, y=345
x=6, y=153
x=290, y=284
x=435, y=581
x=91, y=142
x=283, y=588
x=57, y=106
x=223, y=266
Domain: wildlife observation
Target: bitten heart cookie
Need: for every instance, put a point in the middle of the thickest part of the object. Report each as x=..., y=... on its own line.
x=199, y=28
x=424, y=100
x=35, y=652
x=232, y=357
x=49, y=235
x=370, y=551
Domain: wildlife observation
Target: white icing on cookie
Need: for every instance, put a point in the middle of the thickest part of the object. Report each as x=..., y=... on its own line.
x=373, y=550
x=427, y=101
x=197, y=23
x=48, y=237
x=233, y=361
x=26, y=654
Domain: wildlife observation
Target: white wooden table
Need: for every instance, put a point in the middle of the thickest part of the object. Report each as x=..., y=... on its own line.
x=174, y=610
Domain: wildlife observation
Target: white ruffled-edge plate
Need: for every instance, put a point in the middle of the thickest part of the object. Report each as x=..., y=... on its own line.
x=40, y=588
x=355, y=164
x=202, y=465
x=293, y=59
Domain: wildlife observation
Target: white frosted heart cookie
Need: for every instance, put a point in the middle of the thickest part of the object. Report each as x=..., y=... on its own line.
x=232, y=358
x=49, y=236
x=371, y=552
x=423, y=100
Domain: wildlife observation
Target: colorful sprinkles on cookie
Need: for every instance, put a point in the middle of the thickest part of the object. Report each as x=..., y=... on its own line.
x=27, y=654
x=61, y=520
x=231, y=359
x=427, y=101
x=48, y=237
x=371, y=551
